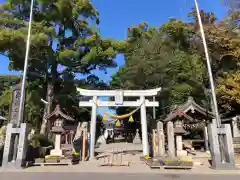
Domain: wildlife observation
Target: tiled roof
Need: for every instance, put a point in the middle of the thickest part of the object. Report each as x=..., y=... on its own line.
x=189, y=105
x=177, y=113
x=57, y=112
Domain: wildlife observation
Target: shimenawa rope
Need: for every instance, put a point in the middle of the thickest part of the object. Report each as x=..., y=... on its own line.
x=119, y=116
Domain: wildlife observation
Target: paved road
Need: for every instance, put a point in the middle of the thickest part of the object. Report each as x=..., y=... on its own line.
x=110, y=176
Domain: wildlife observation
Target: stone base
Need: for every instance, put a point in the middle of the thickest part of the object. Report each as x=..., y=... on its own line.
x=181, y=153
x=214, y=134
x=224, y=166
x=207, y=151
x=56, y=152
x=137, y=141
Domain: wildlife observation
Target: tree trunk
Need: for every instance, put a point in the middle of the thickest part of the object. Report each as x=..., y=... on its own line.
x=50, y=89
x=49, y=94
x=47, y=108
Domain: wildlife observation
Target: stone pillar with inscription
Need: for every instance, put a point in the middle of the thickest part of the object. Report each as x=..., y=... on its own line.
x=170, y=137
x=206, y=138
x=15, y=151
x=14, y=106
x=161, y=139
x=235, y=127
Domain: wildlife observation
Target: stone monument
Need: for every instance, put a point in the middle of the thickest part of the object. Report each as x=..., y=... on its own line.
x=14, y=106
x=235, y=127
x=77, y=141
x=19, y=134
x=161, y=139
x=170, y=137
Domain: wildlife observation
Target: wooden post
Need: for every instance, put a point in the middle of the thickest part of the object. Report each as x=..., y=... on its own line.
x=66, y=138
x=71, y=137
x=159, y=143
x=154, y=142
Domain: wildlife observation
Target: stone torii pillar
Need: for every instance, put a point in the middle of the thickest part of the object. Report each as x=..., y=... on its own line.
x=119, y=101
x=144, y=127
x=93, y=127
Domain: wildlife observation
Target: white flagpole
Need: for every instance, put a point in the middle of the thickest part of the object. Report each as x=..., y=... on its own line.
x=218, y=121
x=23, y=86
x=22, y=99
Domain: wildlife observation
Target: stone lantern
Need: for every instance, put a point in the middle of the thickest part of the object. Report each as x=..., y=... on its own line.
x=179, y=131
x=58, y=119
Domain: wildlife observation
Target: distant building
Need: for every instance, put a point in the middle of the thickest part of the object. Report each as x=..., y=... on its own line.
x=108, y=124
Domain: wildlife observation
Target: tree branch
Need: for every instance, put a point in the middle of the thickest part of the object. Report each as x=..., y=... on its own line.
x=4, y=55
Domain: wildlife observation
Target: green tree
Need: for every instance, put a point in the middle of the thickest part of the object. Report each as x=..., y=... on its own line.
x=229, y=91
x=223, y=45
x=161, y=57
x=172, y=57
x=62, y=36
x=6, y=81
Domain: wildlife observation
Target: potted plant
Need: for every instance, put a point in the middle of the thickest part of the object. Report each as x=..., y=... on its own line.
x=75, y=158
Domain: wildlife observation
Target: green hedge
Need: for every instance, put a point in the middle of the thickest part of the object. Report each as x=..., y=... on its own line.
x=40, y=140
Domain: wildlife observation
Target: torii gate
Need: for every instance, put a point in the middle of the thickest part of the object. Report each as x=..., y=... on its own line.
x=119, y=101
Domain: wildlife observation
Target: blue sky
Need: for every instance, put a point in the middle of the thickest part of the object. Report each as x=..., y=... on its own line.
x=117, y=15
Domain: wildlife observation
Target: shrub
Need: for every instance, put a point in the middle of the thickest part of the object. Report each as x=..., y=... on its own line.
x=38, y=147
x=43, y=140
